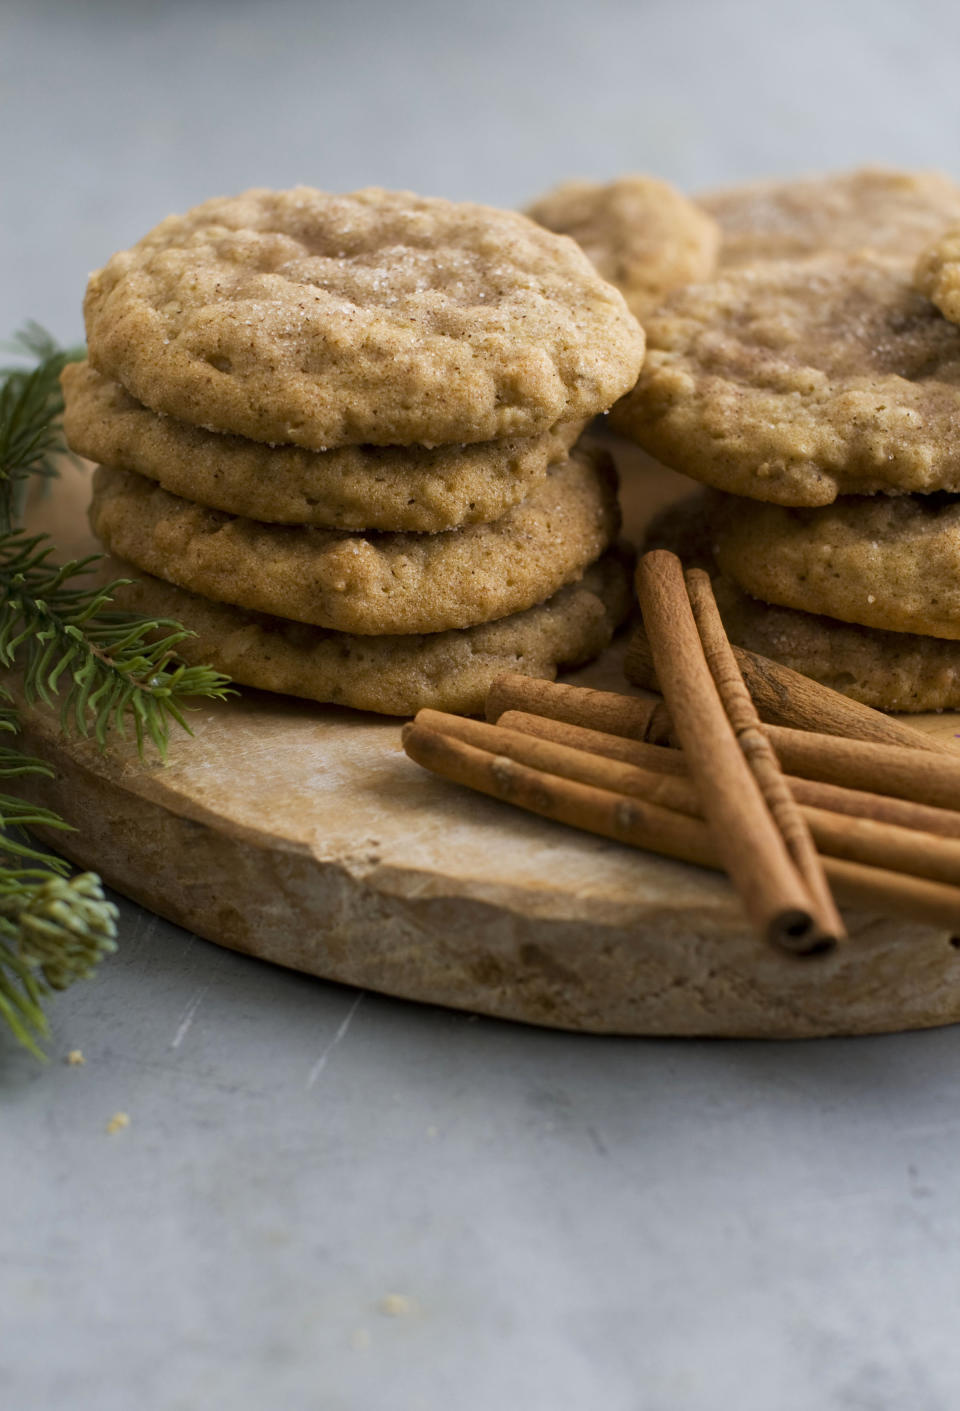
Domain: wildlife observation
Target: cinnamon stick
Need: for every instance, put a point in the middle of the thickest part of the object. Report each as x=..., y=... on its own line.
x=581, y=737
x=785, y=697
x=837, y=798
x=860, y=764
x=885, y=845
x=857, y=839
x=674, y=791
x=756, y=746
x=611, y=815
x=640, y=717
x=871, y=889
x=658, y=829
x=748, y=841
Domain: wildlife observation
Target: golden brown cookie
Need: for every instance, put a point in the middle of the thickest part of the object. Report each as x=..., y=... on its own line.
x=937, y=274
x=393, y=675
x=367, y=583
x=884, y=561
x=642, y=234
x=351, y=487
x=875, y=208
x=796, y=382
x=379, y=317
x=887, y=670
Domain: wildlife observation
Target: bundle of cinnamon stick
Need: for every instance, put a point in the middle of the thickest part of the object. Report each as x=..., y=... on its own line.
x=798, y=793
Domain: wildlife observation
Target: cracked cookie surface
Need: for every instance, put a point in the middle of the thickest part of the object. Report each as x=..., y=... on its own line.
x=379, y=317
x=795, y=382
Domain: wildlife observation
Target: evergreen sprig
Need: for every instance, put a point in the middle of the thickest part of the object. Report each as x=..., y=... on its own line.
x=31, y=405
x=104, y=667
x=53, y=931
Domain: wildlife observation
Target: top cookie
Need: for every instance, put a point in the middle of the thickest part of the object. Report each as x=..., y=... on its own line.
x=642, y=234
x=794, y=382
x=889, y=212
x=383, y=317
x=937, y=274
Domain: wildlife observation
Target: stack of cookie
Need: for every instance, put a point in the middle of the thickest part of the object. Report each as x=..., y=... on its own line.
x=335, y=434
x=815, y=384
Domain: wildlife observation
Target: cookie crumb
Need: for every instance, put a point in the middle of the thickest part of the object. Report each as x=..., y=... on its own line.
x=75, y=1058
x=117, y=1122
x=396, y=1305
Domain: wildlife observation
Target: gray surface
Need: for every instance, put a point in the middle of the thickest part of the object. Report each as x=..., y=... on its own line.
x=577, y=1223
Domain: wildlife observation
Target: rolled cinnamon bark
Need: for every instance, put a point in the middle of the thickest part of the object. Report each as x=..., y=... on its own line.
x=785, y=697
x=639, y=717
x=753, y=851
x=858, y=803
x=756, y=746
x=596, y=741
x=866, y=840
x=657, y=829
x=861, y=764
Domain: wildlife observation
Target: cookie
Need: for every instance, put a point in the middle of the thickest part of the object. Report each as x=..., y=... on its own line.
x=891, y=212
x=642, y=234
x=882, y=561
x=797, y=382
x=379, y=317
x=937, y=274
x=367, y=583
x=351, y=487
x=899, y=671
x=393, y=675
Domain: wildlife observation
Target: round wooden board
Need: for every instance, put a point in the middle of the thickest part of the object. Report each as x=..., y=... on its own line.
x=302, y=834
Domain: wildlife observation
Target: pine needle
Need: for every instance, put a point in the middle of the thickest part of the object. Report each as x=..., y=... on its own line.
x=105, y=669
x=104, y=666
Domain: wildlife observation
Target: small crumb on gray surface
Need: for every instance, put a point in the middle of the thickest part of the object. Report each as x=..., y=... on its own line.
x=397, y=1305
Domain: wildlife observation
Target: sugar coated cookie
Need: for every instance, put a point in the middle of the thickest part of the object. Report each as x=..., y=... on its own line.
x=937, y=274
x=899, y=671
x=794, y=382
x=643, y=235
x=379, y=317
x=874, y=208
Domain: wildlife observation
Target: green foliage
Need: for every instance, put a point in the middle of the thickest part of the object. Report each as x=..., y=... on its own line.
x=53, y=930
x=31, y=405
x=105, y=668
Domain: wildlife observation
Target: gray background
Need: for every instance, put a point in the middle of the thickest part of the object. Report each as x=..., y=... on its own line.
x=576, y=1223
